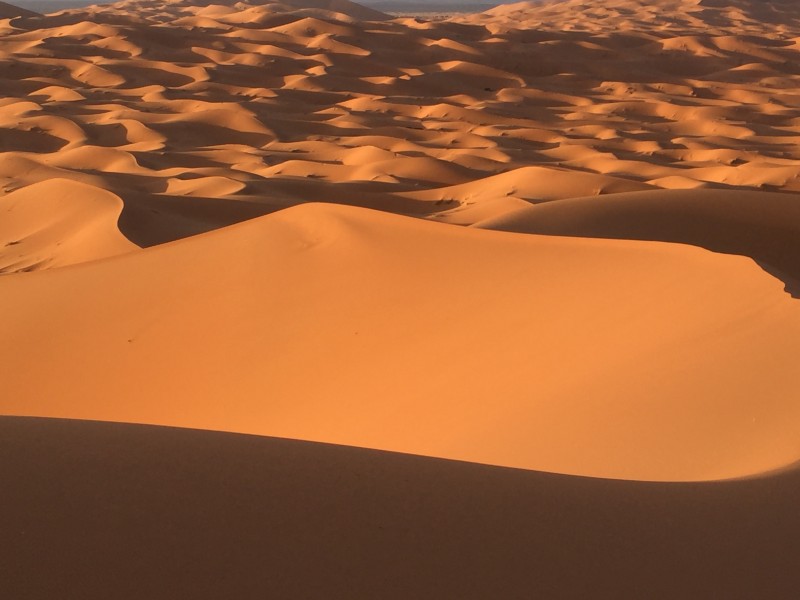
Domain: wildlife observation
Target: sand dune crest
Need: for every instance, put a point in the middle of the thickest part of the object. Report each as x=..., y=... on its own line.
x=10, y=11
x=319, y=278
x=759, y=225
x=57, y=223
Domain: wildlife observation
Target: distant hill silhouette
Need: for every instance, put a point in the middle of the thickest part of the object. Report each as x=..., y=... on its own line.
x=9, y=11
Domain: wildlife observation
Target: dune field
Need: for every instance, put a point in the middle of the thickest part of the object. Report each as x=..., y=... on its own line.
x=301, y=300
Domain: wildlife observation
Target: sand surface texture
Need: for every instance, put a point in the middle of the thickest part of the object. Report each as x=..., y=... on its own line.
x=562, y=237
x=160, y=513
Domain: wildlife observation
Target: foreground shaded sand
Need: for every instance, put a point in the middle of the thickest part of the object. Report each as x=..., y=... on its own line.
x=109, y=510
x=629, y=359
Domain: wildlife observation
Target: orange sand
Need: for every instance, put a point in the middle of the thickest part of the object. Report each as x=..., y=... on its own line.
x=146, y=512
x=559, y=236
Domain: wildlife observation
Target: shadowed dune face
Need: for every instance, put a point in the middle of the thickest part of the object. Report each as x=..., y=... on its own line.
x=10, y=11
x=765, y=227
x=162, y=513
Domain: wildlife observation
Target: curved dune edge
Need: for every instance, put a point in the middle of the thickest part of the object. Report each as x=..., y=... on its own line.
x=208, y=515
x=356, y=327
x=59, y=222
x=763, y=226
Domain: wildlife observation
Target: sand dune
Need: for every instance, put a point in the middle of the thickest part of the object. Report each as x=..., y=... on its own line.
x=696, y=16
x=10, y=11
x=598, y=99
x=209, y=515
x=765, y=227
x=141, y=123
x=58, y=222
x=586, y=348
x=555, y=236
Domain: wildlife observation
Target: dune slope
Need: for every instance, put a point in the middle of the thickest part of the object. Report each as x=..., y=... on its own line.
x=553, y=240
x=58, y=222
x=765, y=227
x=350, y=326
x=10, y=11
x=163, y=513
